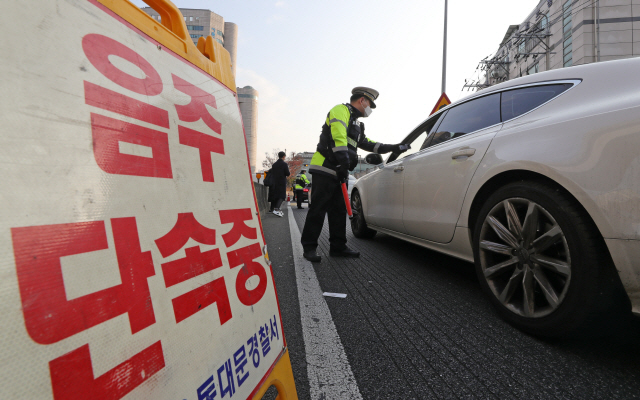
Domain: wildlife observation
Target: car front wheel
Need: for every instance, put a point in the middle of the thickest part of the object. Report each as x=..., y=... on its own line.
x=541, y=261
x=358, y=224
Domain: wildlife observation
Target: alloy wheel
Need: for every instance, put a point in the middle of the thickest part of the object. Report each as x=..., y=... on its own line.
x=356, y=206
x=524, y=257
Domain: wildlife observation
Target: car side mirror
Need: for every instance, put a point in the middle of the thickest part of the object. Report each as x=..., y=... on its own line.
x=373, y=159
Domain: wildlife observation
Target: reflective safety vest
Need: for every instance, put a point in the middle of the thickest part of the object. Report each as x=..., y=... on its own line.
x=341, y=136
x=301, y=182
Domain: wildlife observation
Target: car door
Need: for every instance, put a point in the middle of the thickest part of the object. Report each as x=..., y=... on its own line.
x=436, y=178
x=383, y=189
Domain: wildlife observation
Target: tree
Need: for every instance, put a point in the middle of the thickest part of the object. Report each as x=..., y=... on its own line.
x=295, y=165
x=269, y=159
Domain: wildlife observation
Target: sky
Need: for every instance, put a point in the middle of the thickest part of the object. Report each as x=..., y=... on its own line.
x=304, y=57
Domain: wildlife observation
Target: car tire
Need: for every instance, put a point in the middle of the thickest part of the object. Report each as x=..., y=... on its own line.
x=543, y=263
x=358, y=224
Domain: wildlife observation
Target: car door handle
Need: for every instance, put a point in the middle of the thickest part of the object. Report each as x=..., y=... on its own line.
x=399, y=168
x=463, y=153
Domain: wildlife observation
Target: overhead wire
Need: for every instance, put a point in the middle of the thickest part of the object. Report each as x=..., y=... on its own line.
x=550, y=22
x=561, y=10
x=586, y=4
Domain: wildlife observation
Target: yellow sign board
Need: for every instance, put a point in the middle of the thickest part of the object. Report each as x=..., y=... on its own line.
x=141, y=290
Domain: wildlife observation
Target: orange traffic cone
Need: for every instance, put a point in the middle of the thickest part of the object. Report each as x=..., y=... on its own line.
x=288, y=198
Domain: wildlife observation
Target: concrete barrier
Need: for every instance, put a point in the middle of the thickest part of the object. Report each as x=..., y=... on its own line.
x=262, y=194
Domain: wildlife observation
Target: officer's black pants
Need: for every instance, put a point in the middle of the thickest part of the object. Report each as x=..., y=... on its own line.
x=299, y=197
x=326, y=198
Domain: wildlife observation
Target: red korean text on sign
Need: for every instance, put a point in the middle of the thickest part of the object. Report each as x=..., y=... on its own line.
x=50, y=317
x=98, y=48
x=206, y=145
x=109, y=132
x=239, y=227
x=72, y=374
x=194, y=111
x=244, y=256
x=195, y=263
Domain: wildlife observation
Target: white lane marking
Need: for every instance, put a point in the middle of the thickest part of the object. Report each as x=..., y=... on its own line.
x=330, y=375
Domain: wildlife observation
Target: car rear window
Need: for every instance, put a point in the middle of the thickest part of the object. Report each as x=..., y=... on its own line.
x=519, y=101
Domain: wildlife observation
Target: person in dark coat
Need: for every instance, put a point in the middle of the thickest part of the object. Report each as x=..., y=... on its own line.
x=279, y=171
x=268, y=183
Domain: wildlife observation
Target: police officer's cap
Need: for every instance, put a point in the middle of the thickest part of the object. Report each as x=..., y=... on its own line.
x=370, y=94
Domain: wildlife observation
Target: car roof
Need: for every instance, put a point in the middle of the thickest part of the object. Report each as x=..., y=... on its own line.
x=574, y=72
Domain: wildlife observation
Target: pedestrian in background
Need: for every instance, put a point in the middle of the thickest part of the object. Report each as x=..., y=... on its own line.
x=268, y=182
x=279, y=171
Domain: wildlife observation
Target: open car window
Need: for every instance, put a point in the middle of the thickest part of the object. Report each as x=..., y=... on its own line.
x=419, y=138
x=416, y=144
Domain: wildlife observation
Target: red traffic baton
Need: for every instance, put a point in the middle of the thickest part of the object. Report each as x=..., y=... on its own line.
x=347, y=203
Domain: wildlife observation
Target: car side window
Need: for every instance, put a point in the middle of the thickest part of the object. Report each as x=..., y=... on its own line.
x=419, y=138
x=416, y=144
x=468, y=117
x=433, y=130
x=519, y=101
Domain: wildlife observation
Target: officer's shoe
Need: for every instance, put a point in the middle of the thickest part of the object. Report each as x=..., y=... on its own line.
x=312, y=256
x=346, y=252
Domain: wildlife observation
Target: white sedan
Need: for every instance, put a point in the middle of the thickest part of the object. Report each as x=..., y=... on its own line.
x=537, y=181
x=351, y=183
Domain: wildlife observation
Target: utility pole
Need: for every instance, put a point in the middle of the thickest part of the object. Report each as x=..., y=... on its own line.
x=444, y=50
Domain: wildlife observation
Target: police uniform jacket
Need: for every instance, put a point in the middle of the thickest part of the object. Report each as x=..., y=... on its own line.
x=304, y=179
x=342, y=134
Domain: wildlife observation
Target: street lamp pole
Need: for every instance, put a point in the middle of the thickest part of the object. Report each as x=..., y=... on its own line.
x=444, y=50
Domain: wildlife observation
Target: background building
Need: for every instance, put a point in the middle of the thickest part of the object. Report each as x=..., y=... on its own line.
x=306, y=159
x=248, y=100
x=205, y=23
x=230, y=42
x=562, y=33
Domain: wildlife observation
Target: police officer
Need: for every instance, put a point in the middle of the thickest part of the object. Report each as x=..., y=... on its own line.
x=335, y=156
x=301, y=182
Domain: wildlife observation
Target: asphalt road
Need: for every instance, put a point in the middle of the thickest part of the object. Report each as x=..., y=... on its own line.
x=416, y=325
